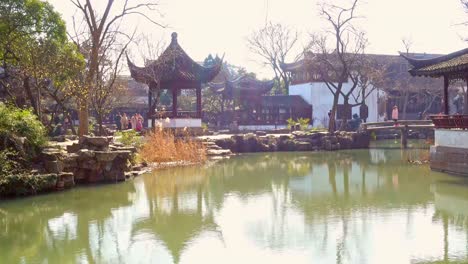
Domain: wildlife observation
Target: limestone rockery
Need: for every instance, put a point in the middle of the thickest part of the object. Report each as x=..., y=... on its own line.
x=91, y=160
x=296, y=141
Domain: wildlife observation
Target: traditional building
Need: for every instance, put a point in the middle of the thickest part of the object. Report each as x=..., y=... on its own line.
x=252, y=109
x=174, y=71
x=398, y=88
x=451, y=136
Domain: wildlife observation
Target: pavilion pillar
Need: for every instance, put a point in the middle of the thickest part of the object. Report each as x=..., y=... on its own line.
x=199, y=104
x=174, y=102
x=446, y=97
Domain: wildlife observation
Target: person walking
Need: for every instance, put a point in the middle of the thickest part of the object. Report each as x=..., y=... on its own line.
x=124, y=121
x=139, y=124
x=395, y=114
x=142, y=119
x=134, y=121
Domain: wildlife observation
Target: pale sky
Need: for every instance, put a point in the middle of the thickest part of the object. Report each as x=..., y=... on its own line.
x=221, y=26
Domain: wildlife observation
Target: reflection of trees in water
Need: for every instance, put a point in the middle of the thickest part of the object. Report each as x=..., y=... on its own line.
x=26, y=224
x=252, y=175
x=181, y=204
x=451, y=202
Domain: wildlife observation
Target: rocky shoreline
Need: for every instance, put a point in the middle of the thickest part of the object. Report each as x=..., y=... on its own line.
x=94, y=160
x=296, y=141
x=91, y=160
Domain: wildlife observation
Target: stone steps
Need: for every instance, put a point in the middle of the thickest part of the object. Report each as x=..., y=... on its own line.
x=213, y=150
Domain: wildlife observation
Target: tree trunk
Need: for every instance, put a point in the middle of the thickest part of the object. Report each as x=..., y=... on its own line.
x=99, y=119
x=344, y=123
x=331, y=121
x=83, y=117
x=32, y=99
x=83, y=114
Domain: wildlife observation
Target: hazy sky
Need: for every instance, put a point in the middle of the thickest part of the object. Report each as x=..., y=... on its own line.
x=221, y=26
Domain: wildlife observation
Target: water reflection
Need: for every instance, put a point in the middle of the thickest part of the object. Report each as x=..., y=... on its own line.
x=366, y=206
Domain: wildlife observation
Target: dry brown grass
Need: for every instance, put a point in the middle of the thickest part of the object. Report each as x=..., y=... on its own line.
x=162, y=146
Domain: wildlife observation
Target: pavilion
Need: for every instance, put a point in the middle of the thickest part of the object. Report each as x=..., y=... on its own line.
x=252, y=108
x=451, y=137
x=238, y=94
x=174, y=71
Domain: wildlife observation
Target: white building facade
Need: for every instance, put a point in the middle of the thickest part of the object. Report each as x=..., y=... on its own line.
x=321, y=98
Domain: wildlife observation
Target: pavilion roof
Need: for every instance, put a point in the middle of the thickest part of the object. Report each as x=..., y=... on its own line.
x=172, y=66
x=453, y=64
x=242, y=84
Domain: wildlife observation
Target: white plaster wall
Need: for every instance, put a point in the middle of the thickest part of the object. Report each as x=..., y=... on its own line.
x=321, y=99
x=177, y=122
x=451, y=138
x=305, y=92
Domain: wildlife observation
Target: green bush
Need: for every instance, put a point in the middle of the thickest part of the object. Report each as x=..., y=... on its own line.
x=303, y=123
x=26, y=184
x=129, y=138
x=20, y=127
x=9, y=163
x=204, y=127
x=16, y=181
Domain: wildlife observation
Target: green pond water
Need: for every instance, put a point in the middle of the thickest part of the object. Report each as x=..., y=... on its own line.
x=361, y=206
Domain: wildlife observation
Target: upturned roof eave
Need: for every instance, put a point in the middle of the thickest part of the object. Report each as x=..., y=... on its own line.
x=435, y=73
x=165, y=69
x=420, y=63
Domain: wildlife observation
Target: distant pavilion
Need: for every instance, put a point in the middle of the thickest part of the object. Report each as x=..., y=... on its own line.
x=252, y=108
x=174, y=70
x=242, y=89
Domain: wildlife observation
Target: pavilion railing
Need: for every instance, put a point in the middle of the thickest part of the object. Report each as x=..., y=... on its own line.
x=180, y=114
x=450, y=121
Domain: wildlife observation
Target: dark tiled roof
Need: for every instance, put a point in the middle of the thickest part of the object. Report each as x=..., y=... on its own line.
x=242, y=84
x=455, y=63
x=293, y=101
x=173, y=65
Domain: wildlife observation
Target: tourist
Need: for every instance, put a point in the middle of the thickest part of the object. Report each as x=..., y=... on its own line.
x=134, y=121
x=139, y=123
x=124, y=121
x=395, y=114
x=129, y=125
x=117, y=121
x=355, y=122
x=142, y=119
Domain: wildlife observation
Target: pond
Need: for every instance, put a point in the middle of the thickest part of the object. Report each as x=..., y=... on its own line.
x=360, y=206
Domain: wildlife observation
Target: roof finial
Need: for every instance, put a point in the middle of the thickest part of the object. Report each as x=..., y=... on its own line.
x=174, y=37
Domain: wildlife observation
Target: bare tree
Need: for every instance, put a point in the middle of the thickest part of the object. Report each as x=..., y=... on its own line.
x=273, y=44
x=338, y=50
x=107, y=90
x=366, y=77
x=100, y=29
